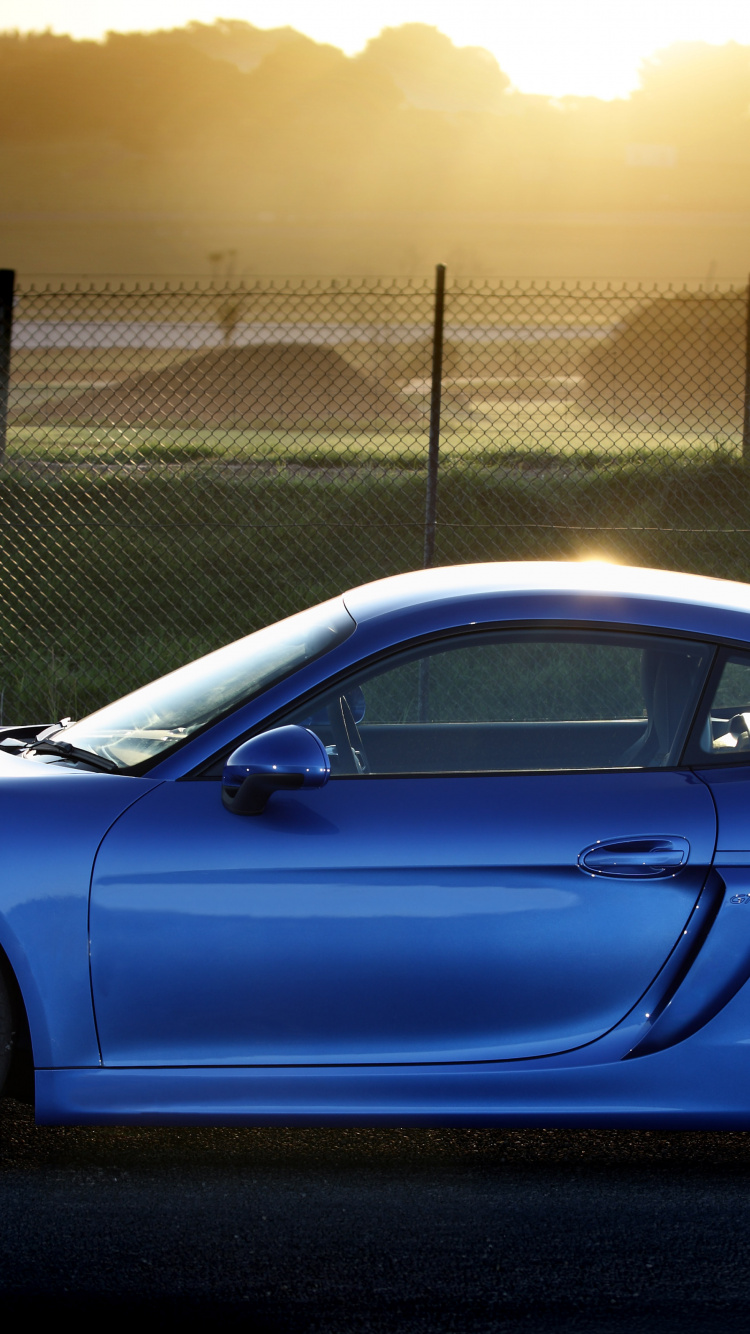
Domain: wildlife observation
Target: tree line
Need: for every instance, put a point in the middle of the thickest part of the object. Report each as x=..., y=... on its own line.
x=258, y=124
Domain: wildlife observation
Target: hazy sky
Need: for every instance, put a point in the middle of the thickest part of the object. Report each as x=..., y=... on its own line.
x=546, y=46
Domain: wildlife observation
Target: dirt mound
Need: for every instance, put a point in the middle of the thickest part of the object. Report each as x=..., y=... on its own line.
x=417, y=364
x=239, y=386
x=674, y=358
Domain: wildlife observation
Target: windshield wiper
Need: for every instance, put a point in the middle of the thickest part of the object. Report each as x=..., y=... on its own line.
x=66, y=751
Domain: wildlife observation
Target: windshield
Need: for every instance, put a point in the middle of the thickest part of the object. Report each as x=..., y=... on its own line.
x=156, y=718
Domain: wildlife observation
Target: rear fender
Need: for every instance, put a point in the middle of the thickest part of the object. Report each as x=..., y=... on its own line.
x=719, y=969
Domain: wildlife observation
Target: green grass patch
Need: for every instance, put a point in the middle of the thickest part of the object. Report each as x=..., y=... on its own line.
x=505, y=435
x=110, y=579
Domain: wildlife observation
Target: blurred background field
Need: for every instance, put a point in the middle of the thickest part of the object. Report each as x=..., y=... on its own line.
x=563, y=438
x=186, y=462
x=111, y=580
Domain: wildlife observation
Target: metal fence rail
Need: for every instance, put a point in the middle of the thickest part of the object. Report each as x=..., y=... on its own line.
x=185, y=462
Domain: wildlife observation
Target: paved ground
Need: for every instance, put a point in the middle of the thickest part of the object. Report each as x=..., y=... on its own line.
x=373, y=1231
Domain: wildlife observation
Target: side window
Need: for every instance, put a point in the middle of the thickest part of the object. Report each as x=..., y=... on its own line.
x=514, y=701
x=723, y=733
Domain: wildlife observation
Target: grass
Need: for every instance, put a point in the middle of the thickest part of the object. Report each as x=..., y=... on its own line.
x=506, y=434
x=113, y=577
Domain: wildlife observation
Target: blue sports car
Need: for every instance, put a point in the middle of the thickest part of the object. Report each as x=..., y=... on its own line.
x=469, y=846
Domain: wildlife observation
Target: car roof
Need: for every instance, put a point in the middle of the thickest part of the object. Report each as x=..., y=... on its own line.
x=577, y=579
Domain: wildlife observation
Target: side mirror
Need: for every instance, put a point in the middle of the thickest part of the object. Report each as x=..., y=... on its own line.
x=284, y=758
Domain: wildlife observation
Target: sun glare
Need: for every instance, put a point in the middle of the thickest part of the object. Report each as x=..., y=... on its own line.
x=583, y=47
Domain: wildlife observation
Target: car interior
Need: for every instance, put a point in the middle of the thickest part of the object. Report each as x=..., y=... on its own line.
x=500, y=704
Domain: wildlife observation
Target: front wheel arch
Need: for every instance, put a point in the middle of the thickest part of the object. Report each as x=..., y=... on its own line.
x=16, y=1057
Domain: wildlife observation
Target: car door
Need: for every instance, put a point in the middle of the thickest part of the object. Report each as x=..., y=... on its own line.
x=503, y=861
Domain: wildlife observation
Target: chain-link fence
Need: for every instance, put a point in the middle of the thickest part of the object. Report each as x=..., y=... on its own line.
x=186, y=462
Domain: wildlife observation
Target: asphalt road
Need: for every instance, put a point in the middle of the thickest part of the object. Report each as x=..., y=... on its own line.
x=360, y=1231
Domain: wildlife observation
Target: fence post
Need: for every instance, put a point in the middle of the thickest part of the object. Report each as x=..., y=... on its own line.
x=430, y=507
x=7, y=284
x=746, y=400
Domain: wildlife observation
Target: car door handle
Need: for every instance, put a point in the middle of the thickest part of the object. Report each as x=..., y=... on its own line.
x=637, y=858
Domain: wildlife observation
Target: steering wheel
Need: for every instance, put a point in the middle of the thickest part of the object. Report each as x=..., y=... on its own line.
x=349, y=748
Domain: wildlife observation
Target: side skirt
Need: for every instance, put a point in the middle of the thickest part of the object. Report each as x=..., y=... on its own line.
x=657, y=1091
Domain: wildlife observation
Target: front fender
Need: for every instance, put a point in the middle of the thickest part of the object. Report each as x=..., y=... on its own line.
x=53, y=820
